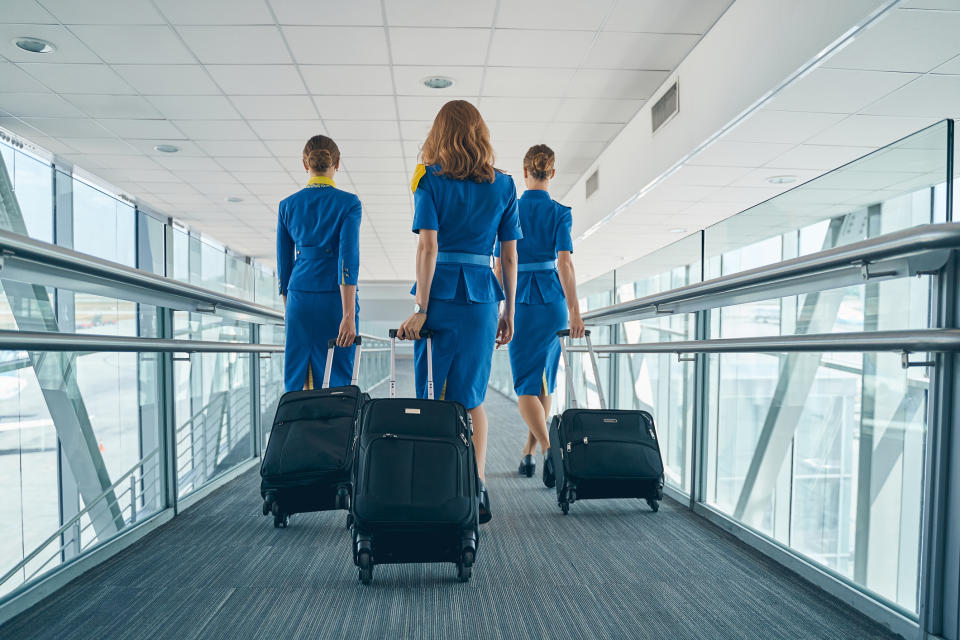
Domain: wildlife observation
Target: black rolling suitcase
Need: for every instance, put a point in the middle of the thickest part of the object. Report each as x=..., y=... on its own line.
x=603, y=453
x=416, y=489
x=308, y=462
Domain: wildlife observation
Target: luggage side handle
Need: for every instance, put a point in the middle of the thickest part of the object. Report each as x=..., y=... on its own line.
x=564, y=336
x=424, y=333
x=328, y=369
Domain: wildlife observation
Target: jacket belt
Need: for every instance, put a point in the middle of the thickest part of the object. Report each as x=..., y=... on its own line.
x=315, y=253
x=548, y=265
x=453, y=257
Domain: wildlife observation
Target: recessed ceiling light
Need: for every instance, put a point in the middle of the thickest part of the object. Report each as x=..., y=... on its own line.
x=166, y=148
x=34, y=45
x=233, y=199
x=781, y=179
x=438, y=82
x=678, y=230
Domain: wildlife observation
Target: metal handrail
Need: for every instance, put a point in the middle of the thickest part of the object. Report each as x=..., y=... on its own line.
x=852, y=259
x=69, y=523
x=27, y=260
x=52, y=341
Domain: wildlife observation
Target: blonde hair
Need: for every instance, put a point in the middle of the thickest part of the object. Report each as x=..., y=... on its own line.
x=539, y=161
x=320, y=153
x=459, y=142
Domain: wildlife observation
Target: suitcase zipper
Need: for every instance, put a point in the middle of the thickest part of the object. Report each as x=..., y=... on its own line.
x=395, y=436
x=586, y=441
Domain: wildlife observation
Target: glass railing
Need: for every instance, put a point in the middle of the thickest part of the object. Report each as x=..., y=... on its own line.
x=822, y=449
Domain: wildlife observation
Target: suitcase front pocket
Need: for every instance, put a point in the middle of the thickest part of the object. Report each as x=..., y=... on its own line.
x=413, y=471
x=612, y=459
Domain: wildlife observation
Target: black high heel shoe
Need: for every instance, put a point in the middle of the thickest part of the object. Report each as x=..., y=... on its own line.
x=549, y=479
x=528, y=465
x=485, y=514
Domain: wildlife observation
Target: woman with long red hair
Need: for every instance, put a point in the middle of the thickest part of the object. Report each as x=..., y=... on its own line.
x=462, y=206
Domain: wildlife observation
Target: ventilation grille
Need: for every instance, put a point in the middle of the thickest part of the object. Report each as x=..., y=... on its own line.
x=593, y=183
x=666, y=107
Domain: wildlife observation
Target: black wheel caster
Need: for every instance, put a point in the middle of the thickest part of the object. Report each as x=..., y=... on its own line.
x=349, y=520
x=565, y=507
x=266, y=507
x=343, y=499
x=654, y=505
x=464, y=572
x=365, y=564
x=281, y=520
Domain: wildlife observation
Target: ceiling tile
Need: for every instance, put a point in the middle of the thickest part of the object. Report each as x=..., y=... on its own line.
x=236, y=44
x=275, y=107
x=362, y=130
x=176, y=79
x=105, y=106
x=900, y=31
x=127, y=12
x=356, y=107
x=937, y=96
x=419, y=46
x=146, y=145
x=15, y=79
x=123, y=161
x=618, y=50
x=77, y=78
x=355, y=12
x=131, y=44
x=216, y=129
x=450, y=13
x=582, y=131
x=249, y=164
x=214, y=12
x=69, y=49
x=409, y=80
x=496, y=109
x=425, y=107
x=68, y=127
x=553, y=14
x=292, y=148
x=110, y=146
x=739, y=154
x=40, y=105
x=348, y=80
x=262, y=79
x=287, y=129
x=517, y=82
x=513, y=47
x=195, y=107
x=597, y=110
x=666, y=16
x=26, y=12
x=870, y=131
x=130, y=128
x=615, y=84
x=839, y=90
x=767, y=125
x=415, y=129
x=236, y=148
x=337, y=45
x=950, y=66
x=381, y=148
x=358, y=165
x=813, y=156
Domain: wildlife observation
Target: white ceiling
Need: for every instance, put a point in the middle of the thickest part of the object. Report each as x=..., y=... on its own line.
x=239, y=86
x=897, y=77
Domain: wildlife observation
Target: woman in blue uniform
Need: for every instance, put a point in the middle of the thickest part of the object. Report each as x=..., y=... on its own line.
x=546, y=297
x=318, y=258
x=462, y=205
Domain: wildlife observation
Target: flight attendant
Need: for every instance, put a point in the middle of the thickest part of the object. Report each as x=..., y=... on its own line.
x=546, y=298
x=462, y=205
x=318, y=259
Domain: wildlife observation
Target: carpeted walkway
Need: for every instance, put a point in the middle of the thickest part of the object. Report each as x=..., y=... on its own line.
x=611, y=569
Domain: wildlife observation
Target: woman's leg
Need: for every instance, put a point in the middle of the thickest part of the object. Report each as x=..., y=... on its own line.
x=479, y=419
x=532, y=412
x=530, y=447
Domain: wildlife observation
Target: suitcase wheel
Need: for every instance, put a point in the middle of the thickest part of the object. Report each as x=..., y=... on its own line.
x=565, y=507
x=343, y=498
x=349, y=520
x=654, y=504
x=464, y=572
x=281, y=520
x=365, y=562
x=266, y=507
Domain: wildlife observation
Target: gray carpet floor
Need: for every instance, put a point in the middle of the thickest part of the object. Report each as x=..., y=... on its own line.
x=611, y=569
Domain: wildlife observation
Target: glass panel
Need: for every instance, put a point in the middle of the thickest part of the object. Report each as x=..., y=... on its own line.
x=32, y=183
x=103, y=226
x=150, y=245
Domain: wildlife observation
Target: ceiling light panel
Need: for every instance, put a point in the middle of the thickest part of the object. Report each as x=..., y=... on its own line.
x=68, y=47
x=409, y=79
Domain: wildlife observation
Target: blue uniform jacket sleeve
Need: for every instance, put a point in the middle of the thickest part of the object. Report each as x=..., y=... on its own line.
x=349, y=265
x=424, y=208
x=565, y=230
x=284, y=254
x=509, y=228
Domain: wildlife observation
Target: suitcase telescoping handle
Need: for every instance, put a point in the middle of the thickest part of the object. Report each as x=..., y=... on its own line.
x=328, y=369
x=564, y=336
x=424, y=334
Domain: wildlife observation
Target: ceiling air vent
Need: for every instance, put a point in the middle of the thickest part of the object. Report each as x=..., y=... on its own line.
x=666, y=107
x=593, y=183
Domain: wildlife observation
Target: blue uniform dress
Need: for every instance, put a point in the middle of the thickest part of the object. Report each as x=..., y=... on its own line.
x=469, y=218
x=318, y=249
x=541, y=306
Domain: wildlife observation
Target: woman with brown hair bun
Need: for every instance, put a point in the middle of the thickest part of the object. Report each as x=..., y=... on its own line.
x=318, y=259
x=546, y=297
x=462, y=205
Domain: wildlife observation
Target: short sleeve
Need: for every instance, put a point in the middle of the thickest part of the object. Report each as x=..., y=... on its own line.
x=564, y=241
x=509, y=228
x=424, y=207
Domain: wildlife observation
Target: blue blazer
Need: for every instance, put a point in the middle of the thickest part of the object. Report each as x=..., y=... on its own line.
x=318, y=238
x=468, y=217
x=546, y=230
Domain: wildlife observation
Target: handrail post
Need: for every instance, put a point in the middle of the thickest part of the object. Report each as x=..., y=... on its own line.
x=133, y=498
x=167, y=461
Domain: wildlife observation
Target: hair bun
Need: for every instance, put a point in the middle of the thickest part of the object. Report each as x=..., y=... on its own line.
x=539, y=161
x=320, y=153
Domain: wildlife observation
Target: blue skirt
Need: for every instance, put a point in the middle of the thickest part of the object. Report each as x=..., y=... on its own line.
x=535, y=348
x=312, y=319
x=464, y=335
